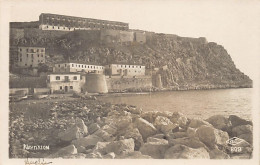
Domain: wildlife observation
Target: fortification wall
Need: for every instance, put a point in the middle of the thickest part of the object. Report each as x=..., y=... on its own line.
x=28, y=82
x=95, y=83
x=110, y=36
x=129, y=84
x=37, y=33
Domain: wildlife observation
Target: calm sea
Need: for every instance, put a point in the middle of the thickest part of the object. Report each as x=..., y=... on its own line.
x=195, y=103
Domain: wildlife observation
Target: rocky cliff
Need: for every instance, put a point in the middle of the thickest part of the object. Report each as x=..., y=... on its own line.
x=188, y=63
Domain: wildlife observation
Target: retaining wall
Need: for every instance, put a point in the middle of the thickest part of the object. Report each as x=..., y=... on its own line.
x=121, y=84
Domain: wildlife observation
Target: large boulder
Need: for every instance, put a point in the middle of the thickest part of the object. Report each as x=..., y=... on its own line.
x=196, y=123
x=119, y=147
x=149, y=116
x=78, y=130
x=211, y=136
x=220, y=122
x=70, y=134
x=164, y=124
x=66, y=151
x=101, y=148
x=242, y=129
x=88, y=142
x=145, y=128
x=155, y=149
x=244, y=132
x=217, y=154
x=179, y=118
x=135, y=134
x=123, y=122
x=93, y=128
x=237, y=121
x=184, y=152
x=81, y=125
x=189, y=142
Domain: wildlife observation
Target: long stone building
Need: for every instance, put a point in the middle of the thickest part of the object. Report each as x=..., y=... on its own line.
x=125, y=70
x=69, y=23
x=70, y=67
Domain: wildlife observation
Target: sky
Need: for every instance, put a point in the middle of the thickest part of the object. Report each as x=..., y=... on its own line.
x=232, y=24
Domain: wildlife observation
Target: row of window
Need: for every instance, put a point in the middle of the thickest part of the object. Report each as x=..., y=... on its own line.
x=119, y=70
x=127, y=66
x=67, y=78
x=32, y=50
x=71, y=87
x=84, y=20
x=32, y=55
x=27, y=60
x=53, y=27
x=84, y=24
x=83, y=66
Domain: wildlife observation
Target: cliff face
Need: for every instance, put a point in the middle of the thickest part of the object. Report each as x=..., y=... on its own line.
x=188, y=63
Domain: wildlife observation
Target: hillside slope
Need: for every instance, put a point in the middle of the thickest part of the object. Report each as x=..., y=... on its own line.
x=191, y=62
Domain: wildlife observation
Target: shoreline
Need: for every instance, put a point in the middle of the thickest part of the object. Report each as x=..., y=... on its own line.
x=95, y=129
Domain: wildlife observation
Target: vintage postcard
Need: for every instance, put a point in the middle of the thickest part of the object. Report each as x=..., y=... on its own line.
x=173, y=82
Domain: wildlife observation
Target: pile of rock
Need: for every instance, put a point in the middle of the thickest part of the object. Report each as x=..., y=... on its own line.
x=123, y=131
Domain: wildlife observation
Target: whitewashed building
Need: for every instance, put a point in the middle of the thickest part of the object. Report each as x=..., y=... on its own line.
x=125, y=70
x=65, y=82
x=78, y=67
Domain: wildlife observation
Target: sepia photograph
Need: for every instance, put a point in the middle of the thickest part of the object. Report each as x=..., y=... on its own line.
x=91, y=80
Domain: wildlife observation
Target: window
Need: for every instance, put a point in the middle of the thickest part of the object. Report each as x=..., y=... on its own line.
x=60, y=87
x=82, y=66
x=38, y=55
x=72, y=65
x=65, y=65
x=37, y=50
x=27, y=55
x=32, y=55
x=27, y=50
x=52, y=27
x=42, y=50
x=75, y=78
x=71, y=87
x=25, y=64
x=133, y=66
x=20, y=49
x=58, y=78
x=88, y=66
x=20, y=60
x=140, y=66
x=59, y=65
x=42, y=55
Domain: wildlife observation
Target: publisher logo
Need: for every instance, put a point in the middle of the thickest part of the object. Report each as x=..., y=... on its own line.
x=233, y=142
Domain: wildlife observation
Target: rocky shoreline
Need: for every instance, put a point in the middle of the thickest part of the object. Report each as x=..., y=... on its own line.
x=93, y=129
